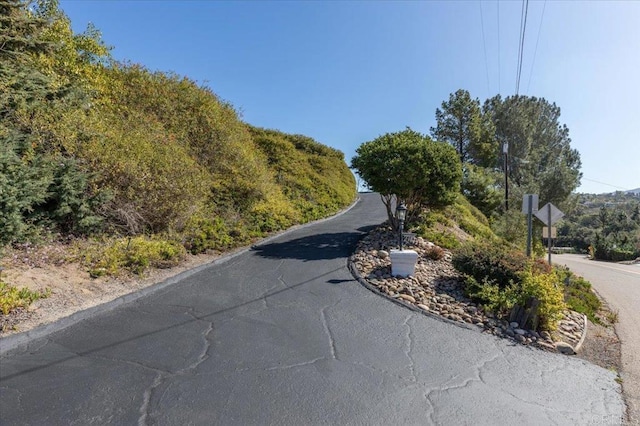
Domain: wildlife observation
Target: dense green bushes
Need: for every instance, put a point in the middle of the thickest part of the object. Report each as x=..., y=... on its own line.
x=92, y=146
x=111, y=256
x=306, y=172
x=498, y=263
x=607, y=249
x=500, y=279
x=606, y=225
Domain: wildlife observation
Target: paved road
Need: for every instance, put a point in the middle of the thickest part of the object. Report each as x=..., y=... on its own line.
x=619, y=285
x=283, y=335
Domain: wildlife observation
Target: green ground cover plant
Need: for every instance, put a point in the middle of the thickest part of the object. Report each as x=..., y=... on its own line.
x=12, y=297
x=579, y=295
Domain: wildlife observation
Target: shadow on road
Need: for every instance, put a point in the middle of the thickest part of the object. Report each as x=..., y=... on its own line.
x=314, y=247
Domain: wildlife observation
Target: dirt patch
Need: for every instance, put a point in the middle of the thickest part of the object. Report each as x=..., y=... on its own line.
x=71, y=288
x=601, y=347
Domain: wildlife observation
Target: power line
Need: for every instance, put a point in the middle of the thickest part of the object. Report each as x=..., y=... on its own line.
x=607, y=184
x=523, y=29
x=484, y=46
x=535, y=51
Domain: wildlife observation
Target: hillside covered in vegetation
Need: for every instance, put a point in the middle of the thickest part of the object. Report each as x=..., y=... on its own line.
x=150, y=161
x=606, y=225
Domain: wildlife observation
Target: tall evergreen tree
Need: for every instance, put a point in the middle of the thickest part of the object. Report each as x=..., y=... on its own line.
x=541, y=159
x=461, y=123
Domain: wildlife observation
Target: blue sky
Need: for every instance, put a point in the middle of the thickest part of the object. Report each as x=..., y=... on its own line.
x=347, y=72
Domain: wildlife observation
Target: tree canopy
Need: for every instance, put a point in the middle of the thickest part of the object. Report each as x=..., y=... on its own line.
x=540, y=160
x=540, y=157
x=409, y=167
x=461, y=123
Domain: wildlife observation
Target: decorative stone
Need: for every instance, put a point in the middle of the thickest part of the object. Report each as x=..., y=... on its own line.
x=408, y=298
x=436, y=287
x=564, y=348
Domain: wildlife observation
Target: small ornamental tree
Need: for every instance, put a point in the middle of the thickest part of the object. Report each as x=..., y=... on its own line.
x=409, y=167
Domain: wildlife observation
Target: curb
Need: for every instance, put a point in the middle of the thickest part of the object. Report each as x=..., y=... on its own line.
x=22, y=339
x=578, y=346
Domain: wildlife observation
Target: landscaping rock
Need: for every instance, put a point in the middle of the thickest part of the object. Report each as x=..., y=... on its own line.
x=437, y=288
x=564, y=348
x=407, y=298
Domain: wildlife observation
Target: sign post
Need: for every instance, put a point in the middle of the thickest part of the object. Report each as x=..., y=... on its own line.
x=549, y=214
x=529, y=207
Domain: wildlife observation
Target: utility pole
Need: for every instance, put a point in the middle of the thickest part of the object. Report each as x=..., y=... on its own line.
x=505, y=151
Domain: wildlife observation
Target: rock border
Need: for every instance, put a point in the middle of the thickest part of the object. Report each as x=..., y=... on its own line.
x=435, y=290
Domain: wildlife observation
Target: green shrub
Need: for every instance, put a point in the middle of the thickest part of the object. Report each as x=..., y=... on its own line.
x=203, y=234
x=132, y=254
x=546, y=289
x=12, y=297
x=501, y=299
x=606, y=249
x=494, y=298
x=578, y=294
x=485, y=261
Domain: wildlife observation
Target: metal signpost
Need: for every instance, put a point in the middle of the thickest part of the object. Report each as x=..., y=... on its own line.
x=549, y=214
x=529, y=207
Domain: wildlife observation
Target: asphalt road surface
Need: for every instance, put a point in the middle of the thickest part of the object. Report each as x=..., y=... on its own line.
x=619, y=285
x=283, y=335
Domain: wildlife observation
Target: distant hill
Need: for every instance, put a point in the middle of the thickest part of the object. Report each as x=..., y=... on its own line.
x=609, y=223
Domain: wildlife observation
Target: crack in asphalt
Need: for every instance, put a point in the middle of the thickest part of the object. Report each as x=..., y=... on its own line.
x=146, y=399
x=299, y=364
x=163, y=376
x=325, y=325
x=408, y=351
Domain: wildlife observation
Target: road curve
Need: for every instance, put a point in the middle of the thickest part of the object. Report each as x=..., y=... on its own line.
x=284, y=335
x=619, y=285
